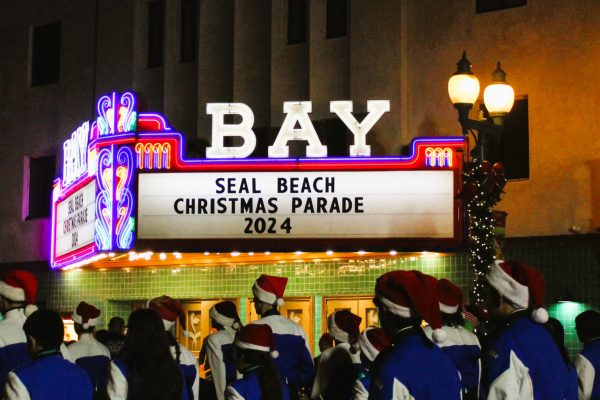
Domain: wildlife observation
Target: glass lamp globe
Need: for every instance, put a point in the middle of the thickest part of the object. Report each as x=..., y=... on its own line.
x=463, y=86
x=499, y=96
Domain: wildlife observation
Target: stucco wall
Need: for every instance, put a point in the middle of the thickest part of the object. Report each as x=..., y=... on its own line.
x=549, y=50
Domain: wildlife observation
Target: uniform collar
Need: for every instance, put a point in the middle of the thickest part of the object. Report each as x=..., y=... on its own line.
x=86, y=337
x=272, y=311
x=47, y=353
x=403, y=333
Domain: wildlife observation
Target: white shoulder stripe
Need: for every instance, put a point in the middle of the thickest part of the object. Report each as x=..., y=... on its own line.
x=232, y=394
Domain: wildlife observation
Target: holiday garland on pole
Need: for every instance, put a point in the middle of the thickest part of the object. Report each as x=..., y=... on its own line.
x=483, y=184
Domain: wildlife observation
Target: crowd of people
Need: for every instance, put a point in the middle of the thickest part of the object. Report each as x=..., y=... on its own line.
x=421, y=351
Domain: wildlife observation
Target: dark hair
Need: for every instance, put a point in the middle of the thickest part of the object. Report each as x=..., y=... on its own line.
x=557, y=331
x=153, y=374
x=455, y=319
x=46, y=327
x=116, y=323
x=268, y=377
x=588, y=324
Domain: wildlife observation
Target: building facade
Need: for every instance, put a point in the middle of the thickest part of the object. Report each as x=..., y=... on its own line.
x=60, y=56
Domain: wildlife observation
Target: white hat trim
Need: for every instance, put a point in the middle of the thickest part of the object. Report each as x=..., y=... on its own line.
x=220, y=318
x=396, y=309
x=91, y=322
x=263, y=295
x=168, y=324
x=337, y=333
x=507, y=286
x=366, y=347
x=11, y=292
x=448, y=309
x=251, y=346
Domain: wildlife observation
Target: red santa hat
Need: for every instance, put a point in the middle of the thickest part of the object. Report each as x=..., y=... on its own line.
x=170, y=311
x=225, y=314
x=86, y=315
x=520, y=283
x=257, y=337
x=450, y=296
x=344, y=326
x=269, y=289
x=411, y=294
x=21, y=287
x=372, y=341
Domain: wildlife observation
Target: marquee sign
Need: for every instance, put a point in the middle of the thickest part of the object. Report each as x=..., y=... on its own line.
x=127, y=185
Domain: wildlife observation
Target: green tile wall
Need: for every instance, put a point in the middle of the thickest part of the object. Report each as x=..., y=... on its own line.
x=574, y=268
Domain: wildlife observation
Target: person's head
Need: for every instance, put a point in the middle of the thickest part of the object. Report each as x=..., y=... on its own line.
x=224, y=315
x=404, y=298
x=117, y=325
x=325, y=342
x=557, y=331
x=450, y=299
x=86, y=317
x=254, y=349
x=372, y=341
x=344, y=326
x=18, y=289
x=268, y=293
x=170, y=311
x=44, y=330
x=587, y=325
x=514, y=285
x=254, y=342
x=147, y=354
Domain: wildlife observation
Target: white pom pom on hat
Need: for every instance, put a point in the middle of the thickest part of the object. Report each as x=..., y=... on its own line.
x=540, y=315
x=439, y=336
x=274, y=354
x=30, y=309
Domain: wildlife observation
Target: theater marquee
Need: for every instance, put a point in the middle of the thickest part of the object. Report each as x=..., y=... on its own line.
x=327, y=205
x=127, y=186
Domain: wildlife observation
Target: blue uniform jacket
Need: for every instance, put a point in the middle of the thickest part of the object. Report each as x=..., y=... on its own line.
x=49, y=377
x=523, y=362
x=93, y=357
x=294, y=364
x=414, y=368
x=464, y=350
x=587, y=363
x=248, y=388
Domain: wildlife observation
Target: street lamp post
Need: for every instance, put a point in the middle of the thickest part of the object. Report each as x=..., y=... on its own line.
x=482, y=181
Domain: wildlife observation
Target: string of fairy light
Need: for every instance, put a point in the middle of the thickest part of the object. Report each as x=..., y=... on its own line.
x=481, y=222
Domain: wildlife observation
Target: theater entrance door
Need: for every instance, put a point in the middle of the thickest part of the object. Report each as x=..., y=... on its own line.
x=197, y=322
x=360, y=305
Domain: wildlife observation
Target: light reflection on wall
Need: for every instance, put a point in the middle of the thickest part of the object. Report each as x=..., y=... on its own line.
x=566, y=312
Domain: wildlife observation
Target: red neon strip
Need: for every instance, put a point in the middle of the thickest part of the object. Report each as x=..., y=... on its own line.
x=75, y=256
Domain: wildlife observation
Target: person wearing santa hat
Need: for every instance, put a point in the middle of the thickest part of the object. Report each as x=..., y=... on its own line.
x=47, y=376
x=520, y=360
x=414, y=367
x=295, y=364
x=338, y=367
x=254, y=354
x=171, y=311
x=88, y=352
x=460, y=345
x=372, y=341
x=219, y=345
x=18, y=290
